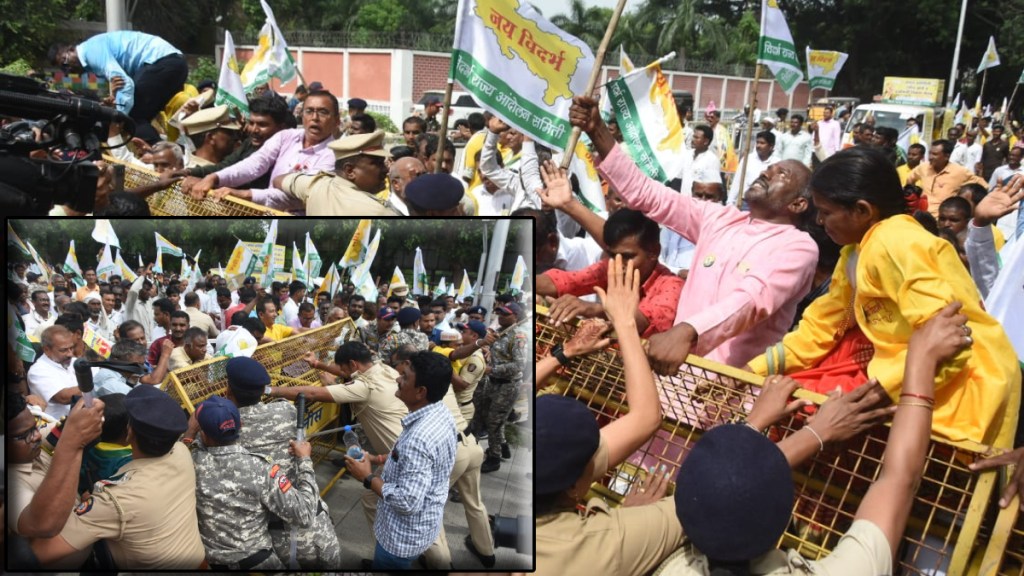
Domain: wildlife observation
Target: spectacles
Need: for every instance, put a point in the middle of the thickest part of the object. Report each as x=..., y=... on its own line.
x=32, y=433
x=320, y=112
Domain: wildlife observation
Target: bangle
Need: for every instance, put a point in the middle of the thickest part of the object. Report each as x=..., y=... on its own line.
x=816, y=435
x=927, y=399
x=921, y=404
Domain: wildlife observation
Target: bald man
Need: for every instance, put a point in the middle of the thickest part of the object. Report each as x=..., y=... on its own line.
x=403, y=171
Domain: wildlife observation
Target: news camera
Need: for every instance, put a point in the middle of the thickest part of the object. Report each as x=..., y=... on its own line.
x=45, y=120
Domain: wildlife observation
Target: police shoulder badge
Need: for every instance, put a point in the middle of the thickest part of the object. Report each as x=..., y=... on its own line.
x=84, y=507
x=284, y=483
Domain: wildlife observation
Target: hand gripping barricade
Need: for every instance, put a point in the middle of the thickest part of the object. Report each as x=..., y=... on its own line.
x=955, y=525
x=172, y=202
x=283, y=361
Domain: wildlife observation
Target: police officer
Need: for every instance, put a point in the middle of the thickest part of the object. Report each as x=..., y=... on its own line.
x=373, y=335
x=472, y=369
x=409, y=322
x=268, y=429
x=435, y=195
x=402, y=289
x=359, y=175
x=236, y=491
x=146, y=514
x=505, y=374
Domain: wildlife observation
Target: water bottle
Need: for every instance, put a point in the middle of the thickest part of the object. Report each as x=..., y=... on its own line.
x=352, y=444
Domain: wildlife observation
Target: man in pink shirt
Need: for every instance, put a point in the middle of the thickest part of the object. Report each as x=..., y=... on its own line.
x=750, y=269
x=295, y=150
x=830, y=133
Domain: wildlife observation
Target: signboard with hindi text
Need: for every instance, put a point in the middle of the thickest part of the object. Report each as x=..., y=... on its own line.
x=913, y=91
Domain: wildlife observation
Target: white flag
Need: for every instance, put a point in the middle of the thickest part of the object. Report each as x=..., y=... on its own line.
x=106, y=268
x=647, y=116
x=396, y=278
x=991, y=57
x=518, y=275
x=103, y=233
x=465, y=288
x=313, y=261
x=298, y=269
x=229, y=86
x=625, y=67
x=71, y=267
x=164, y=246
x=419, y=274
x=442, y=288
x=357, y=247
x=271, y=59
x=823, y=66
x=126, y=271
x=371, y=253
x=1005, y=301
x=520, y=66
x=776, y=49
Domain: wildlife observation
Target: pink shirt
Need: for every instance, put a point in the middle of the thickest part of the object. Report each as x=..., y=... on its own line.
x=747, y=277
x=830, y=134
x=284, y=151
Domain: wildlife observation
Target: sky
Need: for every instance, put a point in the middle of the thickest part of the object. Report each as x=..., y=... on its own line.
x=552, y=7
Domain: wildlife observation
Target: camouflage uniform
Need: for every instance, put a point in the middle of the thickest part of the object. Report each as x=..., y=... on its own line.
x=371, y=337
x=266, y=429
x=508, y=356
x=236, y=490
x=407, y=336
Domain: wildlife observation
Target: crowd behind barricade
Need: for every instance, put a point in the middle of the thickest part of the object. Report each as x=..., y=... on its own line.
x=887, y=282
x=107, y=471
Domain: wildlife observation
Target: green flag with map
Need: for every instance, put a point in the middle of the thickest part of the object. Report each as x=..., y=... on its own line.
x=520, y=66
x=775, y=48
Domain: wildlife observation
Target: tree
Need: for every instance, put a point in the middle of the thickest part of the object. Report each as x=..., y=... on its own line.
x=27, y=31
x=587, y=24
x=380, y=16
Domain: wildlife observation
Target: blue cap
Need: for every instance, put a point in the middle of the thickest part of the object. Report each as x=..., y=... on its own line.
x=153, y=413
x=357, y=103
x=733, y=459
x=566, y=439
x=249, y=280
x=246, y=374
x=434, y=192
x=406, y=316
x=477, y=326
x=386, y=313
x=510, y=308
x=477, y=310
x=314, y=86
x=219, y=419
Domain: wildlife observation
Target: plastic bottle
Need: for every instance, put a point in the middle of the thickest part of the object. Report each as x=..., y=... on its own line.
x=352, y=444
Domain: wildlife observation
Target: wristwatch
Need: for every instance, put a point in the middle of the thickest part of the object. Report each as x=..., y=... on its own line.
x=368, y=481
x=559, y=352
x=266, y=390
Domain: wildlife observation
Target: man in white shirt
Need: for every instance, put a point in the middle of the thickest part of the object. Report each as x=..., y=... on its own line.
x=706, y=166
x=296, y=294
x=796, y=144
x=972, y=157
x=830, y=133
x=40, y=314
x=758, y=161
x=52, y=377
x=115, y=317
x=199, y=319
x=137, y=305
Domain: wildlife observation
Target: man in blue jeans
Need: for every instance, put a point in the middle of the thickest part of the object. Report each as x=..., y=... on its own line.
x=413, y=485
x=146, y=71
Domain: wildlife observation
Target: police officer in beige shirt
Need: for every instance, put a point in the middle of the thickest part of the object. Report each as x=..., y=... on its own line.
x=358, y=175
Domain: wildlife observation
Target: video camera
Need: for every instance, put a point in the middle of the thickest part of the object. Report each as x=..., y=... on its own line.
x=48, y=120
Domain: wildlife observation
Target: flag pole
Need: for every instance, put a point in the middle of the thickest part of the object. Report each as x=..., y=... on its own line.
x=752, y=98
x=1009, y=103
x=442, y=137
x=570, y=150
x=981, y=94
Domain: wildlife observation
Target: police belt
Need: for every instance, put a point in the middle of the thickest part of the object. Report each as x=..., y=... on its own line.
x=245, y=563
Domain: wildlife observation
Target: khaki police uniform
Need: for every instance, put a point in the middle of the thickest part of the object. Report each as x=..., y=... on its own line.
x=328, y=195
x=472, y=371
x=621, y=541
x=378, y=410
x=469, y=456
x=25, y=480
x=864, y=549
x=207, y=120
x=146, y=513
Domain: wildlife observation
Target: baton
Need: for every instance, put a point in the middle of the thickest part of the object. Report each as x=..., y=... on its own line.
x=300, y=436
x=83, y=373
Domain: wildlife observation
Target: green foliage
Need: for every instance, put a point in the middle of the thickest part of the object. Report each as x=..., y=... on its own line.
x=383, y=122
x=17, y=68
x=204, y=69
x=27, y=29
x=380, y=15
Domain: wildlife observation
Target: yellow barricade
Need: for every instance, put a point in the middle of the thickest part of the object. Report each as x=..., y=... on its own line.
x=283, y=361
x=948, y=523
x=171, y=202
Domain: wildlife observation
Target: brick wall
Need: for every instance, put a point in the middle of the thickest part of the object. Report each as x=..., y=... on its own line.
x=428, y=73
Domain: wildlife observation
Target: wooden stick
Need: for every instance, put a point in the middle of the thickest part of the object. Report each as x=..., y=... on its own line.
x=752, y=97
x=981, y=94
x=442, y=136
x=570, y=149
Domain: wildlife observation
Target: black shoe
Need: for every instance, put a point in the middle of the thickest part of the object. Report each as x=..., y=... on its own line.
x=506, y=451
x=491, y=464
x=455, y=496
x=513, y=416
x=488, y=561
x=481, y=435
x=367, y=564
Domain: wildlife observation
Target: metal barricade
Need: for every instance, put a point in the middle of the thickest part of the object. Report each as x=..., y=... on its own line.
x=171, y=201
x=949, y=522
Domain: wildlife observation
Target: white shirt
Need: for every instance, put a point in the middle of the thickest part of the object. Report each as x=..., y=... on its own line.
x=705, y=168
x=755, y=166
x=497, y=204
x=973, y=155
x=676, y=251
x=46, y=378
x=959, y=155
x=291, y=310
x=33, y=321
x=576, y=253
x=797, y=147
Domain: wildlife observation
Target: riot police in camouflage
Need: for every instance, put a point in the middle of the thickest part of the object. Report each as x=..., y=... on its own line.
x=508, y=357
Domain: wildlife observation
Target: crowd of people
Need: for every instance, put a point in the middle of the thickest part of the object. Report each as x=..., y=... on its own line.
x=122, y=477
x=838, y=273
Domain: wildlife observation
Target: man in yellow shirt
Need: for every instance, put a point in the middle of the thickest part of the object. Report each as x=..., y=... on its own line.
x=470, y=158
x=915, y=154
x=266, y=311
x=939, y=178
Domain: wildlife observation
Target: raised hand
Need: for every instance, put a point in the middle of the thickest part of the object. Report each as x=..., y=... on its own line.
x=843, y=416
x=622, y=297
x=557, y=191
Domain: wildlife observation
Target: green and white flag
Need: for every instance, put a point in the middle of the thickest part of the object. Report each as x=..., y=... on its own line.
x=164, y=246
x=775, y=48
x=267, y=254
x=71, y=267
x=229, y=86
x=651, y=130
x=625, y=67
x=518, y=276
x=991, y=58
x=520, y=66
x=298, y=269
x=823, y=66
x=16, y=336
x=371, y=253
x=313, y=261
x=271, y=58
x=107, y=267
x=420, y=283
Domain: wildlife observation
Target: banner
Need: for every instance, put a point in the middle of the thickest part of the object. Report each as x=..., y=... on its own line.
x=625, y=67
x=823, y=66
x=591, y=192
x=419, y=275
x=356, y=251
x=313, y=261
x=124, y=269
x=164, y=246
x=518, y=275
x=396, y=278
x=103, y=233
x=238, y=263
x=229, y=86
x=71, y=268
x=991, y=58
x=650, y=126
x=271, y=59
x=97, y=343
x=776, y=49
x=500, y=40
x=106, y=268
x=44, y=268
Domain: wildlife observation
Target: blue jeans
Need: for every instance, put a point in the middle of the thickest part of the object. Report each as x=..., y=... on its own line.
x=382, y=559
